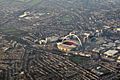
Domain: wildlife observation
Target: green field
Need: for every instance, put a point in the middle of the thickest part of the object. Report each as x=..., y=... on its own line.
x=66, y=18
x=32, y=2
x=79, y=59
x=12, y=31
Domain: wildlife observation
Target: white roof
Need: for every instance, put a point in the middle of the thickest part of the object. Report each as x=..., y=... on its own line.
x=118, y=47
x=106, y=26
x=23, y=15
x=117, y=41
x=111, y=52
x=118, y=29
x=119, y=57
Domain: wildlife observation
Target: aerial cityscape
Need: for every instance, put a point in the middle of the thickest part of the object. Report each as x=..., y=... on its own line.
x=59, y=39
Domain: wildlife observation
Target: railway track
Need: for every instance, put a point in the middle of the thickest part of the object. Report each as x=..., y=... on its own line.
x=41, y=62
x=108, y=66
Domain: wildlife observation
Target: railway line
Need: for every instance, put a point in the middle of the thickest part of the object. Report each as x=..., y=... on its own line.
x=48, y=62
x=108, y=66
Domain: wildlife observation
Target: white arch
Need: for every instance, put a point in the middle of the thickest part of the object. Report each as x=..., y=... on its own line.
x=75, y=36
